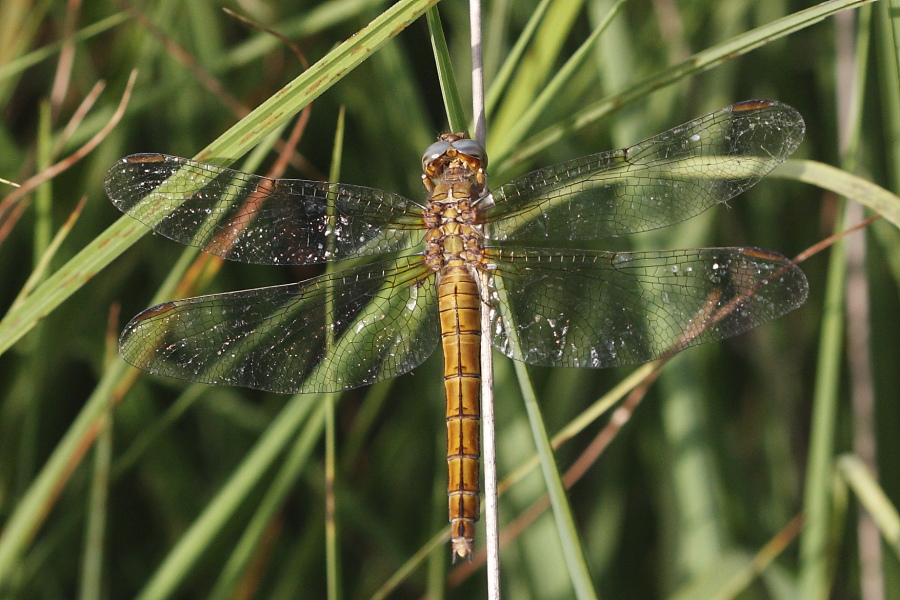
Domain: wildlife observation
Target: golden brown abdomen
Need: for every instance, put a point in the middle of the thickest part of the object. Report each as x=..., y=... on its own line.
x=460, y=338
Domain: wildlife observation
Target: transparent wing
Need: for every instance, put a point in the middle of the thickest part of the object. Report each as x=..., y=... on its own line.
x=666, y=179
x=253, y=219
x=606, y=309
x=334, y=332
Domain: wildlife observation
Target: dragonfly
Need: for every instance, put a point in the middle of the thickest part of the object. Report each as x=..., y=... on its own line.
x=434, y=266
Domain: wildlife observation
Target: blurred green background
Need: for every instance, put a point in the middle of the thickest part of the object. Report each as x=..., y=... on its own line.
x=116, y=484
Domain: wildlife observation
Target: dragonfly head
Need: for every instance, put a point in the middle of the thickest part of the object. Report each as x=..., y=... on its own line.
x=450, y=149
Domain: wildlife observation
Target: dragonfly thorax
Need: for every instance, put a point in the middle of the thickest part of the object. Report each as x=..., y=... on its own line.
x=455, y=177
x=454, y=236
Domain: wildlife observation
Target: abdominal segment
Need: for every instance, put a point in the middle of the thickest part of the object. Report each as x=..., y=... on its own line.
x=460, y=333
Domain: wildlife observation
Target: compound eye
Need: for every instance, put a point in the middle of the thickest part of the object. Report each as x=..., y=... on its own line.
x=434, y=151
x=471, y=148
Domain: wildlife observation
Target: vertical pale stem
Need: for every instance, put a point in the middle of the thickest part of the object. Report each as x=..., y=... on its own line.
x=477, y=72
x=491, y=512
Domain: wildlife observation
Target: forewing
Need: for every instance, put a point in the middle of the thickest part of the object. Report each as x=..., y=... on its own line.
x=331, y=333
x=253, y=219
x=607, y=309
x=663, y=180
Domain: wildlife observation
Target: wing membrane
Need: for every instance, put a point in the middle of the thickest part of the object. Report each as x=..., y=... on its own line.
x=663, y=180
x=253, y=219
x=331, y=333
x=606, y=309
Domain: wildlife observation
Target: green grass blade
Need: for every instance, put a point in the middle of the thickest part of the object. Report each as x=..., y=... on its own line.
x=844, y=184
x=93, y=574
x=562, y=512
x=872, y=497
x=816, y=505
x=332, y=545
x=456, y=114
x=887, y=25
